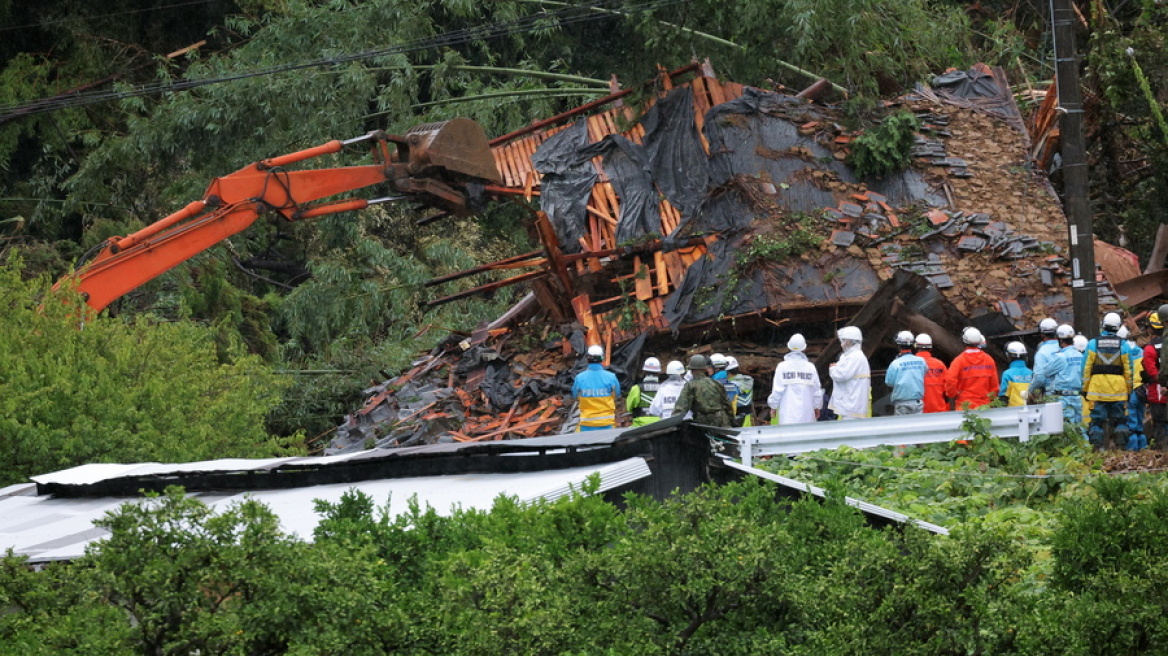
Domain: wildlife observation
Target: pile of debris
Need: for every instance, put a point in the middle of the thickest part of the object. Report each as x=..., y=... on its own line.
x=729, y=212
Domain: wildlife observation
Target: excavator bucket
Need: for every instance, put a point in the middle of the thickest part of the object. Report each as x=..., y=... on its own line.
x=458, y=145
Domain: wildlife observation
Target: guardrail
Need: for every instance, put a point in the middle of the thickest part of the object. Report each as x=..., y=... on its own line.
x=1019, y=422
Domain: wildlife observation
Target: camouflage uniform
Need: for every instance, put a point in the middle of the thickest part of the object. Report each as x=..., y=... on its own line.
x=707, y=400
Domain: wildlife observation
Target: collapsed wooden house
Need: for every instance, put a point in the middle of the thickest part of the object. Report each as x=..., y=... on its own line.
x=726, y=215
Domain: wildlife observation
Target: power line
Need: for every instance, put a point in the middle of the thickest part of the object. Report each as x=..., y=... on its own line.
x=523, y=25
x=118, y=13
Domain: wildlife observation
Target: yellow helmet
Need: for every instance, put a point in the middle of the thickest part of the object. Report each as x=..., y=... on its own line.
x=1155, y=322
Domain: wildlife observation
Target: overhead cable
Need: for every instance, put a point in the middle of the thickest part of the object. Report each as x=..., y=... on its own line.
x=523, y=25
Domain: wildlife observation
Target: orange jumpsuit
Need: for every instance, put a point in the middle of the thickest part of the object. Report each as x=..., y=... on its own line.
x=934, y=383
x=972, y=379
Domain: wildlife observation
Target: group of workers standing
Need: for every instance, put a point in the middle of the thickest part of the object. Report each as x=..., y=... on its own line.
x=1118, y=380
x=711, y=389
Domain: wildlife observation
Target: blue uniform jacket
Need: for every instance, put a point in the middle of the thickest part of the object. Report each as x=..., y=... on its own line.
x=906, y=377
x=1015, y=381
x=597, y=390
x=1063, y=373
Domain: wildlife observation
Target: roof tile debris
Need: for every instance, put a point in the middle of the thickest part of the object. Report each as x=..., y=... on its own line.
x=722, y=203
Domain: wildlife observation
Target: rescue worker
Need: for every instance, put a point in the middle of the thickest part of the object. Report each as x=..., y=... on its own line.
x=972, y=379
x=906, y=378
x=851, y=394
x=1137, y=402
x=1107, y=383
x=934, y=375
x=1049, y=344
x=1081, y=342
x=667, y=393
x=796, y=395
x=719, y=362
x=1157, y=403
x=704, y=396
x=641, y=395
x=596, y=389
x=744, y=393
x=1016, y=378
x=1062, y=376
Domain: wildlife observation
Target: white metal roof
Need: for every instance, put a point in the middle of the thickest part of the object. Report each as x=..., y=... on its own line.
x=47, y=528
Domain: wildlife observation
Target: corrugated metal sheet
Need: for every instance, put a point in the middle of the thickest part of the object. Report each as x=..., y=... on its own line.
x=47, y=528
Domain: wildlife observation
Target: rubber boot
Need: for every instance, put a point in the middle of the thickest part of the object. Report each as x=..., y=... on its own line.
x=1133, y=442
x=1122, y=437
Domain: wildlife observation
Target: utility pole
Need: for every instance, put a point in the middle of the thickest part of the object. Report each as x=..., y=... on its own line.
x=1076, y=198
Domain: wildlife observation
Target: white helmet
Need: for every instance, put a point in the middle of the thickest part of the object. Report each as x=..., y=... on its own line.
x=850, y=332
x=595, y=353
x=797, y=342
x=731, y=363
x=1064, y=331
x=1080, y=343
x=1112, y=321
x=1047, y=326
x=972, y=336
x=718, y=361
x=675, y=368
x=924, y=341
x=1016, y=350
x=652, y=365
x=904, y=339
x=1122, y=333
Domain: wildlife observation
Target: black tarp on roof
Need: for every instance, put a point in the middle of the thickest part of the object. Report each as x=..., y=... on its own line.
x=627, y=166
x=675, y=153
x=567, y=181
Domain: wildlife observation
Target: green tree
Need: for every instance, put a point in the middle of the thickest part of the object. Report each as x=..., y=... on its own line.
x=120, y=391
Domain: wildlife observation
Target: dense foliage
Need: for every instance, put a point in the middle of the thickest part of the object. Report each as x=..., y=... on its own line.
x=121, y=391
x=726, y=570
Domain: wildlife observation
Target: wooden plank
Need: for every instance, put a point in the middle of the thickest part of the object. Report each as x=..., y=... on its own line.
x=517, y=171
x=676, y=267
x=717, y=96
x=644, y=286
x=669, y=217
x=662, y=273
x=600, y=214
x=595, y=132
x=501, y=164
x=583, y=309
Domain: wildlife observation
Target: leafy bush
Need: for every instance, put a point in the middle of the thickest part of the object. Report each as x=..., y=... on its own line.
x=886, y=148
x=120, y=391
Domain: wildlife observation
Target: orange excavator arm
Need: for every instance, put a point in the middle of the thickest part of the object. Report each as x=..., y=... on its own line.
x=428, y=163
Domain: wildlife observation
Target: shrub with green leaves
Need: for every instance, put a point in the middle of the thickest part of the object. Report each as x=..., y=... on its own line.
x=121, y=391
x=886, y=148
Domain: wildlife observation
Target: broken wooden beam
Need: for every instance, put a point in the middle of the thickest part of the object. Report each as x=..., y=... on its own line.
x=489, y=287
x=483, y=268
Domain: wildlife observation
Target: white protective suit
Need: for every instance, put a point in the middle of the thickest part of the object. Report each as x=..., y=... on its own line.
x=850, y=398
x=796, y=393
x=667, y=393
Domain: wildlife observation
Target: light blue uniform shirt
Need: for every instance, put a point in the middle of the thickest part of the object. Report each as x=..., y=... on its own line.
x=1044, y=352
x=1062, y=374
x=906, y=377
